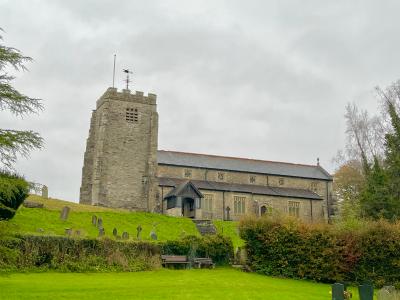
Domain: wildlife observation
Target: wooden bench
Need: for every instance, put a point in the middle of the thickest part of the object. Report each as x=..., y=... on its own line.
x=203, y=262
x=174, y=260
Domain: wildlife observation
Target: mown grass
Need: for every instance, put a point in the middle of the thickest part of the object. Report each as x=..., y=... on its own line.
x=160, y=284
x=46, y=221
x=34, y=220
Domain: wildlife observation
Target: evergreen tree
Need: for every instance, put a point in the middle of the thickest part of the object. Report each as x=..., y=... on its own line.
x=13, y=142
x=393, y=155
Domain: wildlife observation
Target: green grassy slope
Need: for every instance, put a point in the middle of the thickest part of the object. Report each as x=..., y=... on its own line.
x=30, y=220
x=160, y=284
x=229, y=229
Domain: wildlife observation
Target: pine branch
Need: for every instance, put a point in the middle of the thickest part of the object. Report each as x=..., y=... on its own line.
x=13, y=142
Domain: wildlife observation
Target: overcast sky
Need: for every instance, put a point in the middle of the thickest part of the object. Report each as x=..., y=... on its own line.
x=256, y=79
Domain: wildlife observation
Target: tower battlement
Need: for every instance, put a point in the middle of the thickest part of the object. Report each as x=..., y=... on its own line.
x=126, y=95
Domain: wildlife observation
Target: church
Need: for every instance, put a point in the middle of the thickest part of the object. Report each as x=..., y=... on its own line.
x=123, y=168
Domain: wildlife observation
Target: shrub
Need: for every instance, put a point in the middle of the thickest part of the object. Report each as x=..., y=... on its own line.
x=13, y=191
x=217, y=247
x=325, y=253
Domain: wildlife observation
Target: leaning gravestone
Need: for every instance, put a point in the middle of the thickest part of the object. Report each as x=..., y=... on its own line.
x=138, y=231
x=100, y=223
x=68, y=231
x=366, y=292
x=64, y=213
x=94, y=220
x=115, y=232
x=337, y=291
x=102, y=232
x=153, y=235
x=125, y=235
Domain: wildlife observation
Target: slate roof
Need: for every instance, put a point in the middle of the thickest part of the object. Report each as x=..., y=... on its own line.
x=241, y=165
x=179, y=190
x=241, y=188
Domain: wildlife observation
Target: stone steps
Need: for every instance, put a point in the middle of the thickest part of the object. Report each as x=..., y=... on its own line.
x=205, y=227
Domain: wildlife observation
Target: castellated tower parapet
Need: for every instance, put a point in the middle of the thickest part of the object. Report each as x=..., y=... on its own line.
x=120, y=161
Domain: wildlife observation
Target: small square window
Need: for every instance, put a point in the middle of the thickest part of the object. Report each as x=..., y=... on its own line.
x=187, y=173
x=221, y=176
x=252, y=179
x=281, y=181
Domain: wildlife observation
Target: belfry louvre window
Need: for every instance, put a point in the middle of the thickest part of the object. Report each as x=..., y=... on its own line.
x=239, y=205
x=208, y=202
x=131, y=115
x=294, y=208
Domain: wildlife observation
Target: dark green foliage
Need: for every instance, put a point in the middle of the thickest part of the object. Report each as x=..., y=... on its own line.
x=217, y=247
x=376, y=200
x=324, y=253
x=32, y=253
x=13, y=191
x=76, y=255
x=13, y=142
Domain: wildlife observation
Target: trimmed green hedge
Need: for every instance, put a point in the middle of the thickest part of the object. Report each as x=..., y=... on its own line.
x=76, y=255
x=13, y=191
x=36, y=253
x=217, y=247
x=324, y=253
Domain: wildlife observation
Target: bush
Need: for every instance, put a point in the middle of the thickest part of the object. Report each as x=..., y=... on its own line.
x=326, y=253
x=217, y=247
x=77, y=255
x=64, y=254
x=13, y=191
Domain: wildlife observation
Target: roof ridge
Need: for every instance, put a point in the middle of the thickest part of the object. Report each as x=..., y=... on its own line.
x=243, y=158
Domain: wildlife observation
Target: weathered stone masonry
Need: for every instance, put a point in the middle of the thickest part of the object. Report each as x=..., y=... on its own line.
x=123, y=168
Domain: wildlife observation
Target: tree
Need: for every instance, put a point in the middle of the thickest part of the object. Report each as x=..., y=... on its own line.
x=348, y=182
x=14, y=142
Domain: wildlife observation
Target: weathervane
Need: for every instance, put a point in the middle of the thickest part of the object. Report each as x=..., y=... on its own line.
x=127, y=80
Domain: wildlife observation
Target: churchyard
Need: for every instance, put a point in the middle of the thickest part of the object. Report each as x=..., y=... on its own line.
x=73, y=225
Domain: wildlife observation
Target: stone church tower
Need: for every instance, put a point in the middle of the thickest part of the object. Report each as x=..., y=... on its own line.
x=120, y=161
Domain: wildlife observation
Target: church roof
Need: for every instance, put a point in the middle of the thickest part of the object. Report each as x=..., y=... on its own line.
x=241, y=165
x=240, y=188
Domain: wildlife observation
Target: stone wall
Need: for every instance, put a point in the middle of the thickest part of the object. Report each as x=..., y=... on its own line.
x=319, y=207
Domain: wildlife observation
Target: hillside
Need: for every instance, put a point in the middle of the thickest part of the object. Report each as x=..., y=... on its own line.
x=46, y=221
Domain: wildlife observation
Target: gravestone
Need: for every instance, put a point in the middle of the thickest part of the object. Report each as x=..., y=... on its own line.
x=45, y=192
x=64, y=213
x=153, y=235
x=388, y=293
x=100, y=223
x=228, y=217
x=115, y=232
x=337, y=291
x=138, y=231
x=366, y=292
x=102, y=232
x=77, y=232
x=31, y=204
x=94, y=220
x=68, y=231
x=125, y=235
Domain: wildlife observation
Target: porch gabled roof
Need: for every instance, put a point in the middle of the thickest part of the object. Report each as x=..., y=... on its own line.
x=185, y=189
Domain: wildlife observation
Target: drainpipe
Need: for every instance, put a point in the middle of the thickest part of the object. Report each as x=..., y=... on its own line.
x=327, y=203
x=311, y=215
x=223, y=205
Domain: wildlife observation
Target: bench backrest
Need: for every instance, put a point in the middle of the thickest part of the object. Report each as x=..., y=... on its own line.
x=174, y=258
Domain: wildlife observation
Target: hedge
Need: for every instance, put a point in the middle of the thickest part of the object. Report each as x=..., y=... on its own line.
x=13, y=191
x=42, y=253
x=325, y=253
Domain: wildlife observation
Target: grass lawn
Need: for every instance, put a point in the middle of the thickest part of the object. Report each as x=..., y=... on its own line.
x=30, y=220
x=160, y=284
